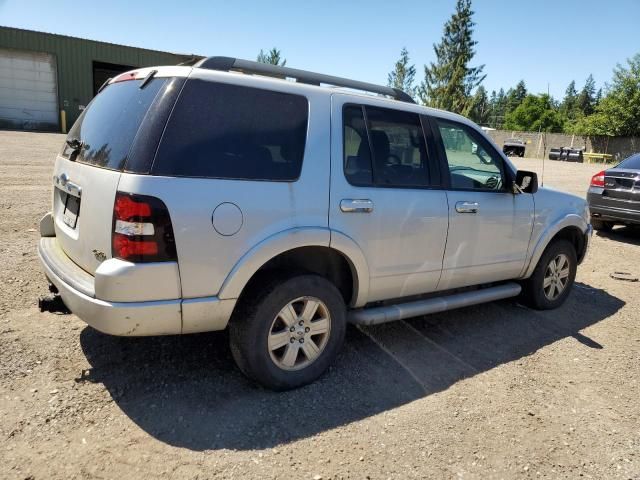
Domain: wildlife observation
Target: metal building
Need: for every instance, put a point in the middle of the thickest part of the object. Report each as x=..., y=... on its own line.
x=46, y=80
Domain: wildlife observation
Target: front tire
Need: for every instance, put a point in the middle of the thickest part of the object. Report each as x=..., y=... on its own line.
x=287, y=334
x=601, y=225
x=552, y=280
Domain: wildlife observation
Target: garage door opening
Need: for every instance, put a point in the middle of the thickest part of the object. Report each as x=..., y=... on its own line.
x=103, y=71
x=28, y=90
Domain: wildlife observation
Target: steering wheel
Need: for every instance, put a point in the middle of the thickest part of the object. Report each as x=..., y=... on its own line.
x=494, y=182
x=393, y=159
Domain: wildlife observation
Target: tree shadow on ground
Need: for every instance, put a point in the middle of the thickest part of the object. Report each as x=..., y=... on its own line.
x=187, y=392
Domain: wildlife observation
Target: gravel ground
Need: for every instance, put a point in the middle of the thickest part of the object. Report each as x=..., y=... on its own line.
x=494, y=391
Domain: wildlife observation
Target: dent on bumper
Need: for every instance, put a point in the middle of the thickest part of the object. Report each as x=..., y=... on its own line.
x=158, y=317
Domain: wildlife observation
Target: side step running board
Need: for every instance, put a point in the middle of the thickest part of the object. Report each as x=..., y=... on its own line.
x=390, y=313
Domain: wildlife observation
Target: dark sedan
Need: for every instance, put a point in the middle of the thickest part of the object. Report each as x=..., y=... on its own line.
x=614, y=195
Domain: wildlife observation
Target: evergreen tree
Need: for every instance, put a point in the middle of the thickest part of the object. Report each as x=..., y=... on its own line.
x=515, y=96
x=403, y=74
x=618, y=113
x=586, y=100
x=535, y=113
x=449, y=81
x=570, y=101
x=273, y=57
x=479, y=108
x=498, y=108
x=598, y=98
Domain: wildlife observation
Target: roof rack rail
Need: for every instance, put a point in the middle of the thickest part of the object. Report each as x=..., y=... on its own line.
x=227, y=64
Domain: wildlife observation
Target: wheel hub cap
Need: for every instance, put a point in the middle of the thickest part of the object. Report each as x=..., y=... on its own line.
x=556, y=276
x=299, y=333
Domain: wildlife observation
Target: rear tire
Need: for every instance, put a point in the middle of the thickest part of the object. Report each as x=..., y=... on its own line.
x=552, y=280
x=601, y=225
x=286, y=334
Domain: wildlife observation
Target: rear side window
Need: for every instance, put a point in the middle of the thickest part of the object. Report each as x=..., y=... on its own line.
x=228, y=131
x=357, y=154
x=631, y=163
x=104, y=132
x=384, y=147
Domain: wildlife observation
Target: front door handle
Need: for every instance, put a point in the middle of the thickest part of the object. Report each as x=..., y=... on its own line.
x=467, y=207
x=355, y=205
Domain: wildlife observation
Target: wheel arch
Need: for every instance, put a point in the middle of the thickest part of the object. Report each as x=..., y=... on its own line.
x=316, y=250
x=572, y=228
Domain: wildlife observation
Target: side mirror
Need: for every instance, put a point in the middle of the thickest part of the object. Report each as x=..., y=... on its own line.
x=526, y=182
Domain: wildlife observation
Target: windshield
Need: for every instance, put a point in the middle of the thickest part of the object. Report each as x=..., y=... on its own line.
x=103, y=134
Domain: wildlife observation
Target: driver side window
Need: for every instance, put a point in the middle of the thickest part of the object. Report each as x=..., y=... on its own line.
x=471, y=167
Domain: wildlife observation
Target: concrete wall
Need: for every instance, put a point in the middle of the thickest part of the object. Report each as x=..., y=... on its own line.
x=619, y=147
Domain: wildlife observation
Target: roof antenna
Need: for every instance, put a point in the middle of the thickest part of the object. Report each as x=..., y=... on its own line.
x=544, y=150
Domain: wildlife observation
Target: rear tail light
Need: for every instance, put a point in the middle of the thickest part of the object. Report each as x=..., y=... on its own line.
x=598, y=179
x=142, y=230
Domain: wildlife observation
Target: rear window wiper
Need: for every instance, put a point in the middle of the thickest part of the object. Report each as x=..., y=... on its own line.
x=148, y=78
x=76, y=146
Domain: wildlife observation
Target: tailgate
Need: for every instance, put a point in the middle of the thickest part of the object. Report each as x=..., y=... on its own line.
x=88, y=169
x=83, y=197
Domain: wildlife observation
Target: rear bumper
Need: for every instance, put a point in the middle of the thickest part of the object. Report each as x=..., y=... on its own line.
x=607, y=209
x=143, y=318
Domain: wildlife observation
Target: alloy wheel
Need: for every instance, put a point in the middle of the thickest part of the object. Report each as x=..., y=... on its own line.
x=299, y=333
x=556, y=277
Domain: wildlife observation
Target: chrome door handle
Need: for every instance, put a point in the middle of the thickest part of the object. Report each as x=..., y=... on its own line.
x=467, y=207
x=353, y=205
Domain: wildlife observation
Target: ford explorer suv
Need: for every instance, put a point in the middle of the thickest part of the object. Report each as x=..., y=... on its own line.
x=282, y=204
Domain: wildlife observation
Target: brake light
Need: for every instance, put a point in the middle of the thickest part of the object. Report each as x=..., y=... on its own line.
x=123, y=77
x=126, y=208
x=142, y=230
x=598, y=179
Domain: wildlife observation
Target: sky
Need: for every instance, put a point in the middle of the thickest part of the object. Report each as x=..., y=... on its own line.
x=547, y=43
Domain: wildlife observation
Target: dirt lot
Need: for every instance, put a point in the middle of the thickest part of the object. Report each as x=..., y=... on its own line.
x=495, y=391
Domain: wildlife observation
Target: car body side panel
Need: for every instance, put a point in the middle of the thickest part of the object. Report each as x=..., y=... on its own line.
x=490, y=245
x=555, y=210
x=265, y=208
x=404, y=235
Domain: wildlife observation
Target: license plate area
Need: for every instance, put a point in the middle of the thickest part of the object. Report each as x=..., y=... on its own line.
x=71, y=210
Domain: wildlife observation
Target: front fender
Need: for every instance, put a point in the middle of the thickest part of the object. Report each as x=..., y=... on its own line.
x=291, y=239
x=547, y=234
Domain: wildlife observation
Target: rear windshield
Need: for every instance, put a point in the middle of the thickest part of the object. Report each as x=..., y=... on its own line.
x=219, y=130
x=631, y=163
x=103, y=134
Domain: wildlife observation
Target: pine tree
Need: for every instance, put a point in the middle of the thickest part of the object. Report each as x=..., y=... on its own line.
x=586, y=100
x=515, y=96
x=273, y=57
x=403, y=74
x=598, y=97
x=449, y=81
x=570, y=99
x=478, y=108
x=618, y=112
x=568, y=107
x=498, y=107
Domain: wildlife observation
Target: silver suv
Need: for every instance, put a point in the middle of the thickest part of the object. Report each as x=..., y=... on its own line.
x=243, y=195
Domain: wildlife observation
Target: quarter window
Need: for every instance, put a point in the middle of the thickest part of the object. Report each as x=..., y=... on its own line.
x=220, y=130
x=471, y=165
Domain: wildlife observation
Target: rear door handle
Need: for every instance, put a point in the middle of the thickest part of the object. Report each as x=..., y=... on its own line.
x=355, y=205
x=467, y=207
